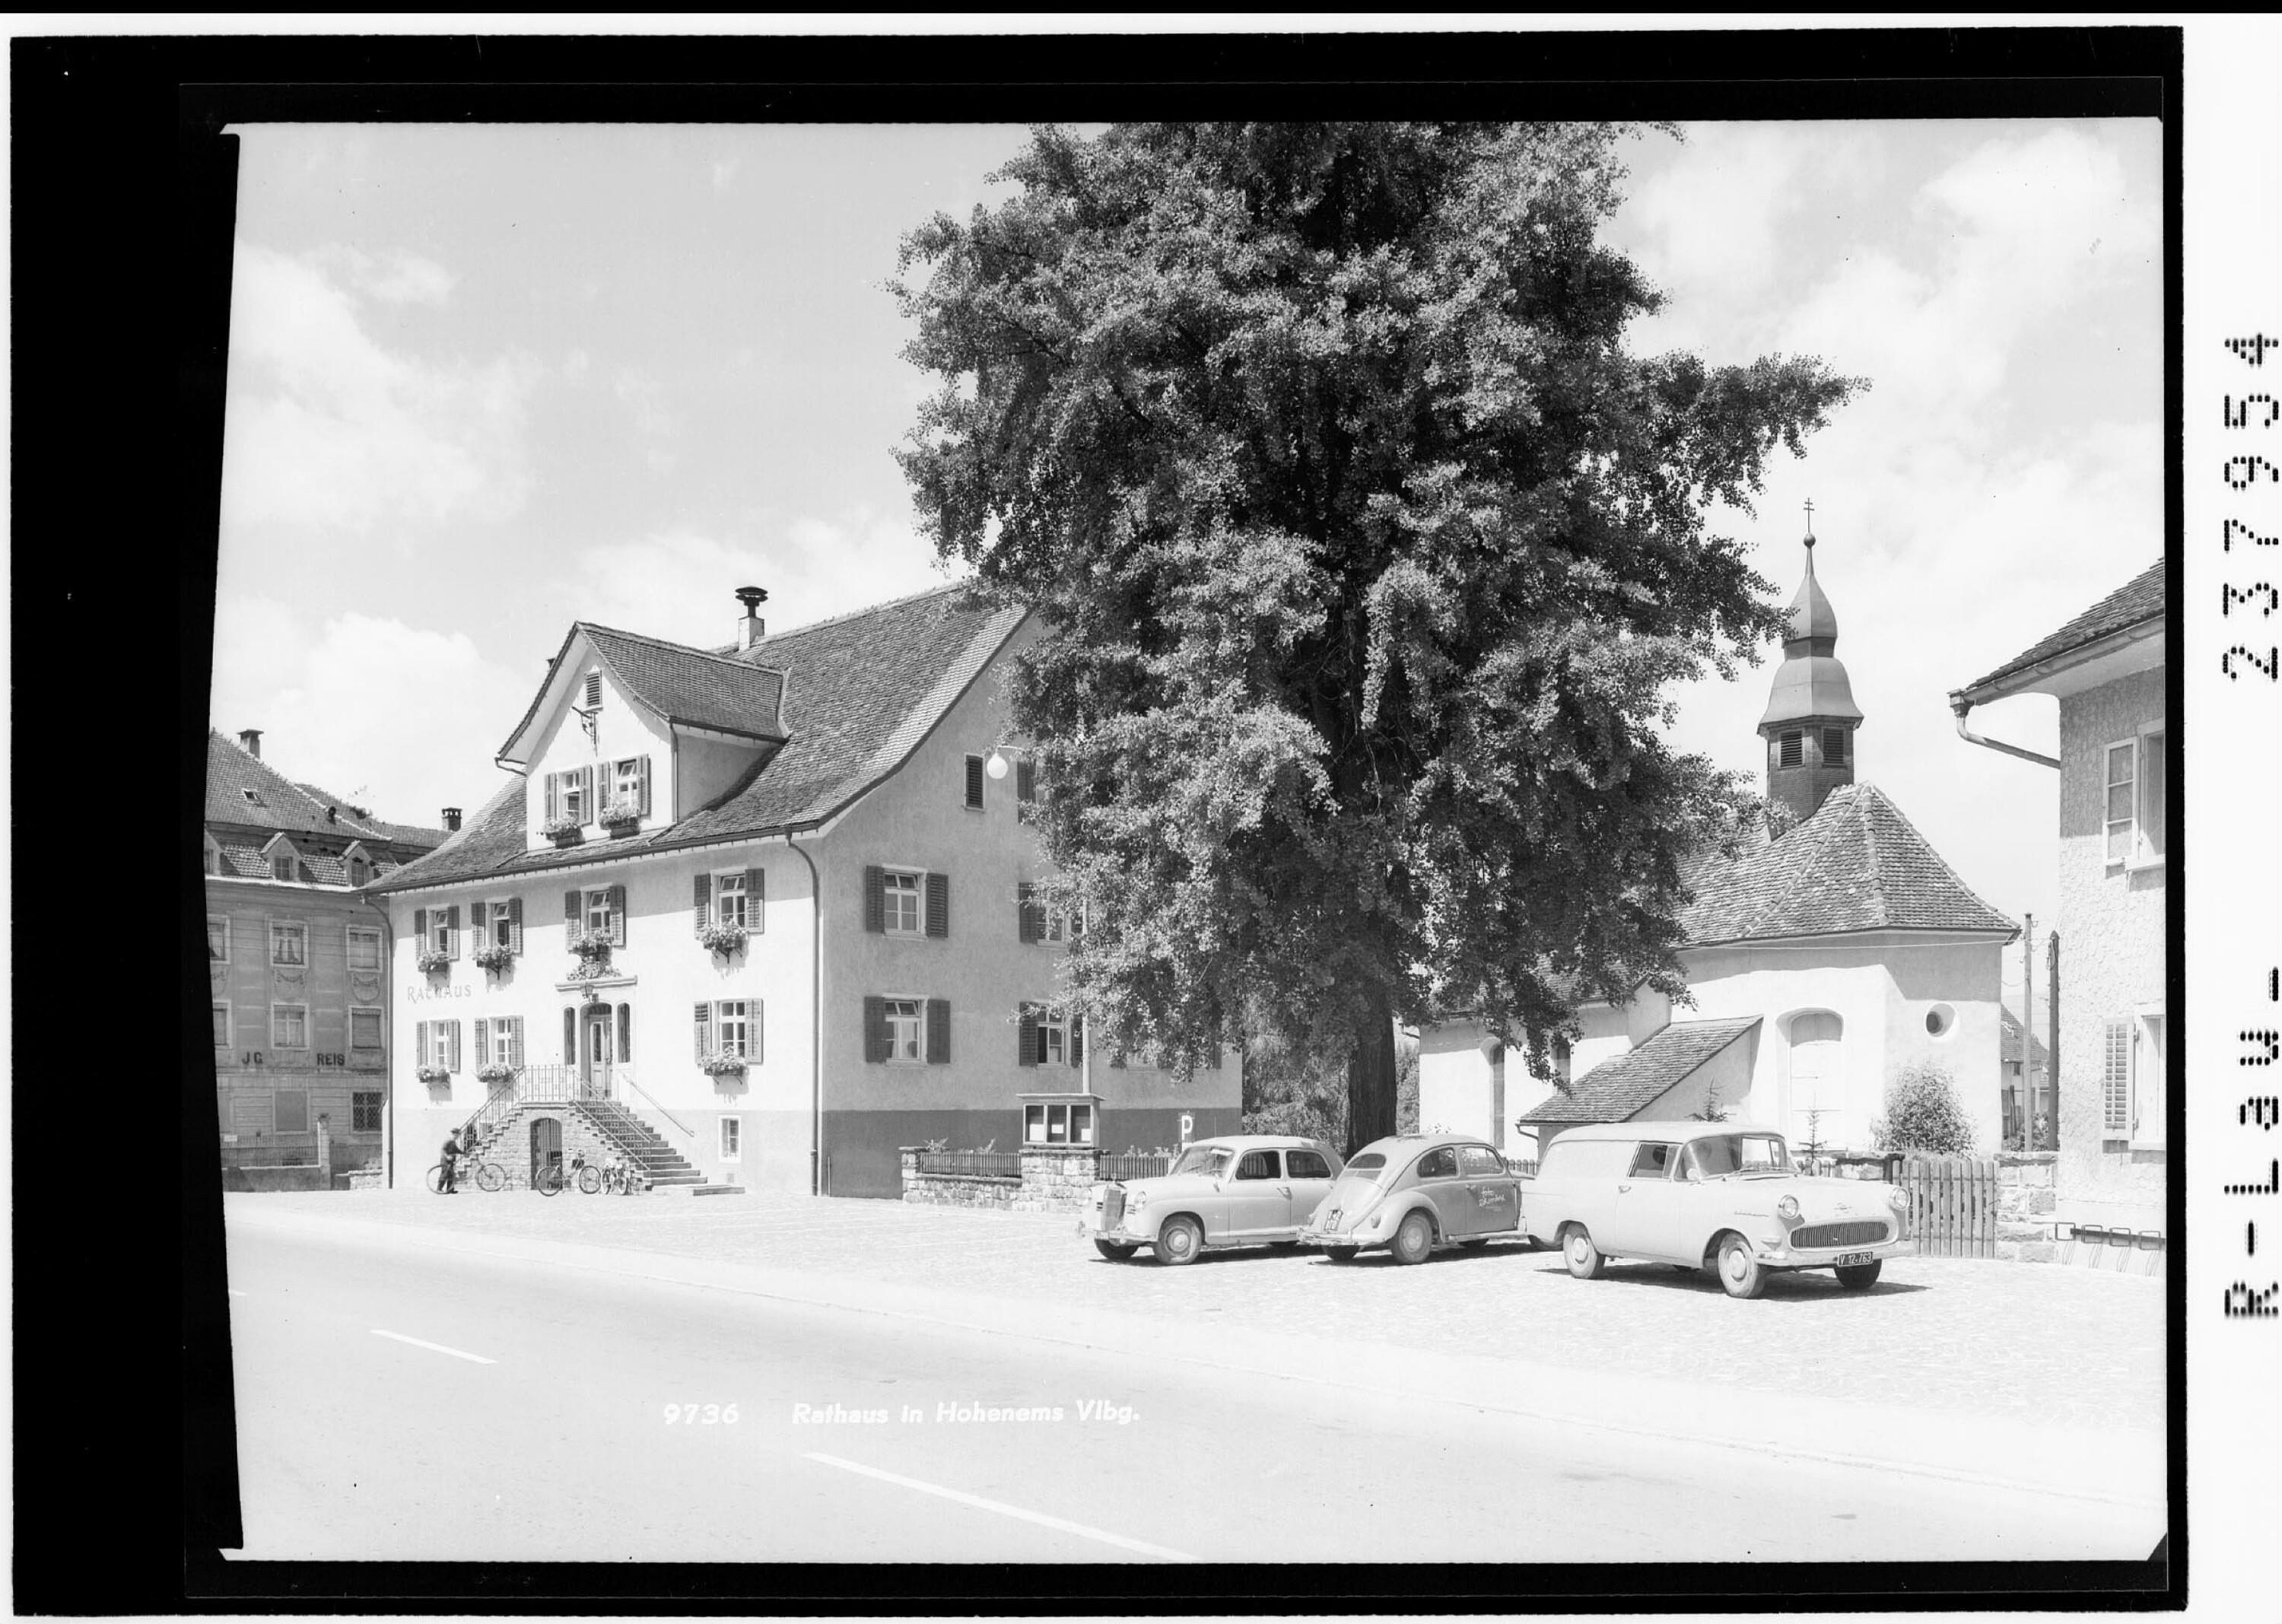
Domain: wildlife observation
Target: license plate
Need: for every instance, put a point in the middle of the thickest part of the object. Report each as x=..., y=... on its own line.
x=1847, y=1259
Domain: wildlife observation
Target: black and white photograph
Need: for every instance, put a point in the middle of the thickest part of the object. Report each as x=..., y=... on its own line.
x=962, y=838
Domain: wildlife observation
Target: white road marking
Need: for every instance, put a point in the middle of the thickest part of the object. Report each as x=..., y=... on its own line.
x=473, y=1358
x=1004, y=1510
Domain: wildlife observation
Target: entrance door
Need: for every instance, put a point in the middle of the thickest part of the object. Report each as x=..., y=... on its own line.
x=546, y=1145
x=594, y=1054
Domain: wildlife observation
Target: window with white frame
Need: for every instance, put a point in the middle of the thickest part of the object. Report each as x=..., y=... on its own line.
x=443, y=1041
x=222, y=1025
x=572, y=792
x=729, y=897
x=364, y=1028
x=598, y=911
x=1051, y=1043
x=731, y=1027
x=289, y=1026
x=902, y=910
x=904, y=1020
x=2132, y=1081
x=289, y=941
x=627, y=780
x=439, y=928
x=732, y=1138
x=281, y=866
x=499, y=921
x=506, y=1046
x=2136, y=812
x=364, y=949
x=217, y=938
x=1050, y=1122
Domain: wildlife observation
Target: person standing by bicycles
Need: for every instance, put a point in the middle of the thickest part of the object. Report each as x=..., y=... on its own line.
x=452, y=1154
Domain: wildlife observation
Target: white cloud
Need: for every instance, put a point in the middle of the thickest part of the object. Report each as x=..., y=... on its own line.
x=645, y=396
x=407, y=278
x=328, y=430
x=405, y=719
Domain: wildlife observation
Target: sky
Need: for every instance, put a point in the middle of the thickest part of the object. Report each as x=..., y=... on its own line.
x=487, y=381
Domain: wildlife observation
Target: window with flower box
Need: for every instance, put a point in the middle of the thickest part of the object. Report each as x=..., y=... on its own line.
x=288, y=943
x=629, y=795
x=289, y=1026
x=499, y=1041
x=217, y=938
x=569, y=797
x=436, y=1045
x=731, y=899
x=729, y=1029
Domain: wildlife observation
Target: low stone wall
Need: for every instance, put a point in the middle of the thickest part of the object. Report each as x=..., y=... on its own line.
x=371, y=1177
x=304, y=1177
x=2026, y=1203
x=1055, y=1178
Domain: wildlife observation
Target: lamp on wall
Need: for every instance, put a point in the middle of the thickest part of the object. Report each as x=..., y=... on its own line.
x=997, y=765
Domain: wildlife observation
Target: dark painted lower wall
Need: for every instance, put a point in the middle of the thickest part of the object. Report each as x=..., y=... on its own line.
x=861, y=1147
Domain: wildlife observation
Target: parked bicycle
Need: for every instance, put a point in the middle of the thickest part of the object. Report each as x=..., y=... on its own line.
x=554, y=1178
x=617, y=1178
x=487, y=1175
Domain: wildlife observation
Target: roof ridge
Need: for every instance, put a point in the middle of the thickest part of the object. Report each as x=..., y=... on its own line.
x=662, y=642
x=1889, y=804
x=968, y=582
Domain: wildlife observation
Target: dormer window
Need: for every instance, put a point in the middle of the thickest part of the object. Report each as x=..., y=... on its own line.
x=593, y=690
x=253, y=797
x=358, y=871
x=281, y=866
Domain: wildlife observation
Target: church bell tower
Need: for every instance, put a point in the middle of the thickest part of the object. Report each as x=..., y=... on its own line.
x=1811, y=717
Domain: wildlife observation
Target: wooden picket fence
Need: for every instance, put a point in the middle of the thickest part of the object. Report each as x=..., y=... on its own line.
x=1952, y=1205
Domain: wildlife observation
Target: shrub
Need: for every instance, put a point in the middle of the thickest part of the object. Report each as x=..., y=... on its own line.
x=1923, y=1114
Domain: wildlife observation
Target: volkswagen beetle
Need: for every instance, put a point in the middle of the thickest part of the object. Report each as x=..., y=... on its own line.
x=1412, y=1193
x=1240, y=1190
x=1707, y=1195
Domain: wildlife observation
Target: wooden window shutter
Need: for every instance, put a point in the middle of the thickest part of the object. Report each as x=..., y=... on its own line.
x=482, y=1043
x=875, y=898
x=875, y=1028
x=569, y=1037
x=420, y=1043
x=515, y=1026
x=515, y=926
x=1078, y=1040
x=939, y=905
x=642, y=780
x=618, y=916
x=700, y=902
x=753, y=1031
x=586, y=807
x=1026, y=780
x=452, y=929
x=703, y=1023
x=1027, y=1037
x=420, y=927
x=757, y=886
x=475, y=918
x=454, y=1063
x=554, y=796
x=974, y=780
x=572, y=918
x=938, y=1031
x=2115, y=1078
x=1026, y=921
x=625, y=1031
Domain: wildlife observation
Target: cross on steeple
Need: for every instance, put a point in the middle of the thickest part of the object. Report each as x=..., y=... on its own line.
x=1809, y=524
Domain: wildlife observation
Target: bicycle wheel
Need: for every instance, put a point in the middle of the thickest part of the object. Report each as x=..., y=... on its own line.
x=436, y=1179
x=491, y=1178
x=549, y=1181
x=590, y=1180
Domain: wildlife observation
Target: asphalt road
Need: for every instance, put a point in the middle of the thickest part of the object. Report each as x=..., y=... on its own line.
x=399, y=1403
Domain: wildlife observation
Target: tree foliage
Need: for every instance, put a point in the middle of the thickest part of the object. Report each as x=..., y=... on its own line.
x=1923, y=1114
x=1362, y=552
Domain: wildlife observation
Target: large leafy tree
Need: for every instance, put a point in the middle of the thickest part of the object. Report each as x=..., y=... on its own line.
x=1363, y=553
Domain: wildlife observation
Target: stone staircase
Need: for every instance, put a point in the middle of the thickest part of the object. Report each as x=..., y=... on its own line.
x=655, y=1163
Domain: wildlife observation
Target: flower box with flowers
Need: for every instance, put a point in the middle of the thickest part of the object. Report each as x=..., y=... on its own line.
x=722, y=939
x=497, y=1072
x=723, y=1065
x=592, y=944
x=434, y=1073
x=563, y=831
x=494, y=957
x=433, y=959
x=622, y=814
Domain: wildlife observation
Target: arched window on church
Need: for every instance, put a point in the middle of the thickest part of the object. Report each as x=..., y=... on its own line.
x=1818, y=1096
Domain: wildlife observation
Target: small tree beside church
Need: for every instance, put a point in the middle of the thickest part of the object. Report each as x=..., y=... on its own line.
x=1923, y=1114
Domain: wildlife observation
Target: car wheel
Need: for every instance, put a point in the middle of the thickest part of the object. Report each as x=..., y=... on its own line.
x=1115, y=1251
x=1414, y=1238
x=1860, y=1276
x=1582, y=1256
x=1180, y=1242
x=1740, y=1273
x=1340, y=1254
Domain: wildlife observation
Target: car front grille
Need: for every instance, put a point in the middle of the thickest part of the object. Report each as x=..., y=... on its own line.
x=1858, y=1232
x=1113, y=1206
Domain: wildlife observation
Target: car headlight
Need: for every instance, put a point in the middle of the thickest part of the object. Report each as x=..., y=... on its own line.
x=1898, y=1198
x=1136, y=1199
x=1787, y=1209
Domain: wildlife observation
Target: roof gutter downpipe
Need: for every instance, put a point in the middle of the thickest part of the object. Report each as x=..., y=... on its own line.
x=1962, y=707
x=816, y=1019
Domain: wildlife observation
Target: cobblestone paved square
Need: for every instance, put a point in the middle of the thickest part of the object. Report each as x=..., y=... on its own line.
x=2068, y=1346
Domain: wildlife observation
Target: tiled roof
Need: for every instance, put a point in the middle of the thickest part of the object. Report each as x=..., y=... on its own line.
x=857, y=695
x=691, y=685
x=317, y=868
x=1617, y=1089
x=2010, y=1042
x=1855, y=864
x=278, y=802
x=2141, y=601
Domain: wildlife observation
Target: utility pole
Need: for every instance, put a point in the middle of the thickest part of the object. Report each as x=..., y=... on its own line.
x=2028, y=1032
x=2052, y=1027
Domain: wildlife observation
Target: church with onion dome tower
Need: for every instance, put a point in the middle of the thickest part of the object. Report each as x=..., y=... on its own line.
x=1833, y=950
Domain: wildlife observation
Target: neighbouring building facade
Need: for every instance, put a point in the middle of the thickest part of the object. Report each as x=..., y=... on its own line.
x=2106, y=668
x=297, y=959
x=768, y=907
x=1837, y=950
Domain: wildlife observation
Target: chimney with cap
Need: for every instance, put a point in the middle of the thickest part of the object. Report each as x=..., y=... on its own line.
x=451, y=819
x=250, y=738
x=749, y=629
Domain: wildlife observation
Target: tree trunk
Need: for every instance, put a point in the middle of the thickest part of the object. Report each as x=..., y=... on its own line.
x=1371, y=1074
